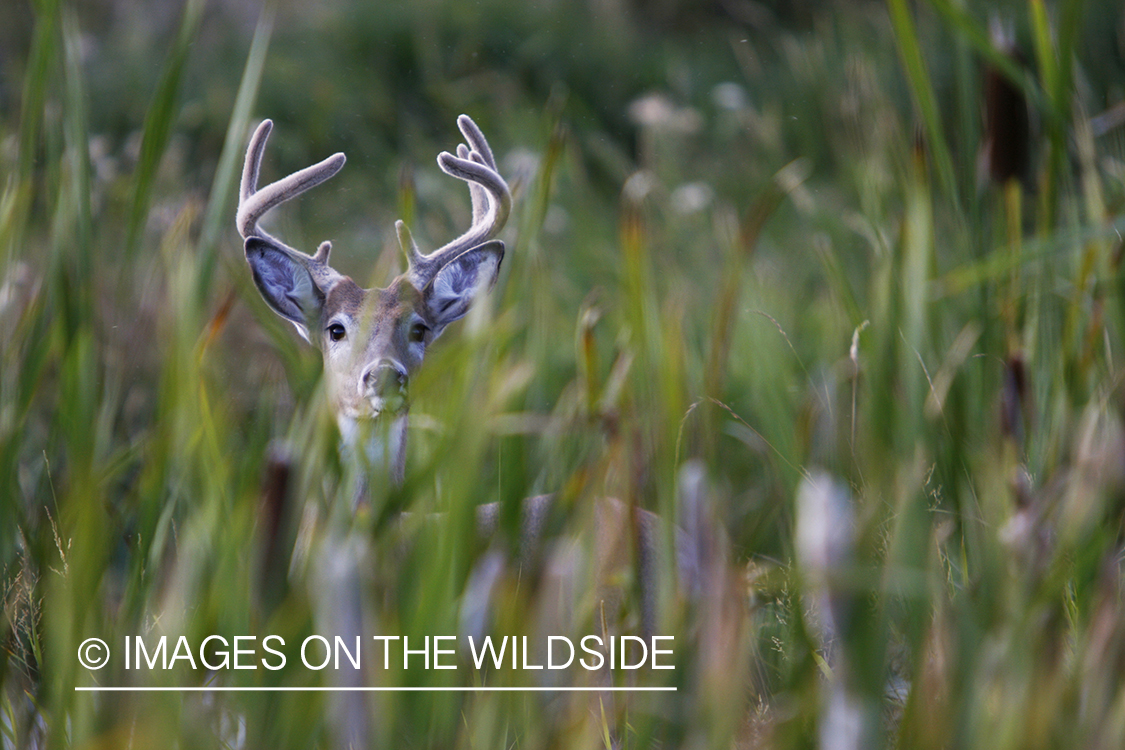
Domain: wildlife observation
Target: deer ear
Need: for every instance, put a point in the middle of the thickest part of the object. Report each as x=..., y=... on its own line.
x=453, y=289
x=284, y=283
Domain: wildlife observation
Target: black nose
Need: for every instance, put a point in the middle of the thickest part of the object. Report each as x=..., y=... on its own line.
x=384, y=378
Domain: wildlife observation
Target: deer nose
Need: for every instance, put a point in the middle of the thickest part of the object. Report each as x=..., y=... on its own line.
x=384, y=378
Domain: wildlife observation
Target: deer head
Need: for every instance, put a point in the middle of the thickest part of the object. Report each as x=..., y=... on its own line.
x=372, y=340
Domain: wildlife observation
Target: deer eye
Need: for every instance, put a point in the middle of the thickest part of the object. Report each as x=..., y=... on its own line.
x=418, y=333
x=337, y=332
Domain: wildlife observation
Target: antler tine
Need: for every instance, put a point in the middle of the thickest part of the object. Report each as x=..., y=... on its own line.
x=253, y=163
x=499, y=199
x=476, y=140
x=476, y=193
x=254, y=203
x=492, y=202
x=479, y=146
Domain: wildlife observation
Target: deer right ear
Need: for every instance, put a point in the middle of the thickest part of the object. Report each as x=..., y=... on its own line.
x=284, y=283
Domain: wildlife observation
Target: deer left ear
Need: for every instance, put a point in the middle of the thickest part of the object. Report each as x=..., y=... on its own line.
x=453, y=289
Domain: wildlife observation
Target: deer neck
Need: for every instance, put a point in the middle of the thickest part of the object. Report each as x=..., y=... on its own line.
x=375, y=449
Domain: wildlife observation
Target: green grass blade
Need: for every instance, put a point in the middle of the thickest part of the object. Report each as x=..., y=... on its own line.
x=77, y=137
x=220, y=210
x=921, y=87
x=1055, y=56
x=43, y=50
x=159, y=120
x=1049, y=73
x=43, y=53
x=787, y=179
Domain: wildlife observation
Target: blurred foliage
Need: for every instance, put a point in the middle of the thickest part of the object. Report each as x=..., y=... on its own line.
x=761, y=235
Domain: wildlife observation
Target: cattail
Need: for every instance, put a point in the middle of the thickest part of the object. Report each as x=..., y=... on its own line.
x=1014, y=405
x=272, y=511
x=1005, y=153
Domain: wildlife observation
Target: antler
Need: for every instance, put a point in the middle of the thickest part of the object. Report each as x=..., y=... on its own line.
x=254, y=203
x=490, y=198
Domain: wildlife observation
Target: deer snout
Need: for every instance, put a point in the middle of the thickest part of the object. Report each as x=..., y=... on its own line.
x=383, y=384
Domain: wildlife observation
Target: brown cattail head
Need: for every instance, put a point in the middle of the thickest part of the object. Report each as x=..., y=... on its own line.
x=1014, y=399
x=273, y=511
x=1005, y=153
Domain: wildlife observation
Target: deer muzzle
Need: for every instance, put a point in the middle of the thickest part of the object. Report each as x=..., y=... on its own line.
x=384, y=386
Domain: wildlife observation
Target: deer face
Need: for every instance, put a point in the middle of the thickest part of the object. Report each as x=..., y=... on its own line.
x=372, y=340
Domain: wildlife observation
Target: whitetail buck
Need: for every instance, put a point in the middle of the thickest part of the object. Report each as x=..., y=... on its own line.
x=373, y=340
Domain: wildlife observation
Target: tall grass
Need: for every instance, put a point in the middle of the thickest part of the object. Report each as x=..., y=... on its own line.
x=755, y=282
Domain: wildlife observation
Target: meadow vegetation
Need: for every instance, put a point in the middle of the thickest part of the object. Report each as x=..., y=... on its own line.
x=759, y=280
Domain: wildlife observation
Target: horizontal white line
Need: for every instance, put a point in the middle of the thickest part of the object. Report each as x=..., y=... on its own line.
x=287, y=689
